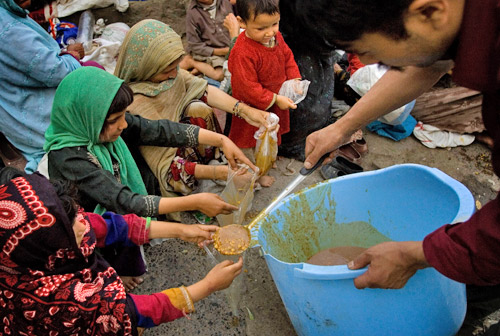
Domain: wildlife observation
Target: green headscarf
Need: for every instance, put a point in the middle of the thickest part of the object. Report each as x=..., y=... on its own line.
x=149, y=48
x=78, y=114
x=13, y=7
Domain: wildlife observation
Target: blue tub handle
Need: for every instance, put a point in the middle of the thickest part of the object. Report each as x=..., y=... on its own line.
x=466, y=200
x=314, y=272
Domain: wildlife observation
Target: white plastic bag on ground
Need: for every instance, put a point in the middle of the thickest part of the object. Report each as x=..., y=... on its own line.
x=114, y=32
x=105, y=48
x=362, y=81
x=433, y=137
x=295, y=89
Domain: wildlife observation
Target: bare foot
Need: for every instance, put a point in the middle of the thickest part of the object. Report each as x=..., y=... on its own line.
x=242, y=180
x=130, y=283
x=266, y=180
x=278, y=158
x=485, y=139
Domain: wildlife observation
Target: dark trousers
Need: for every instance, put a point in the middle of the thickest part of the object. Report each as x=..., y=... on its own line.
x=481, y=302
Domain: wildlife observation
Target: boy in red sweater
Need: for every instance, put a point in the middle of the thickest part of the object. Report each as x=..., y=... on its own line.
x=260, y=62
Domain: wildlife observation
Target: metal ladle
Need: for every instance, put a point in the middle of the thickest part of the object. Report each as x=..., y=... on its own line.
x=235, y=239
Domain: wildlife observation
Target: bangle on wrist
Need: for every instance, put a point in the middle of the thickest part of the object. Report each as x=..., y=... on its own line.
x=236, y=109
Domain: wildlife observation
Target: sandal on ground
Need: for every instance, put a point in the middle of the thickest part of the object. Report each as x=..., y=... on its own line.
x=349, y=152
x=360, y=145
x=339, y=166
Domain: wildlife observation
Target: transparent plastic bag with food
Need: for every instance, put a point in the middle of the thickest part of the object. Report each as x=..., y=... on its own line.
x=239, y=192
x=266, y=149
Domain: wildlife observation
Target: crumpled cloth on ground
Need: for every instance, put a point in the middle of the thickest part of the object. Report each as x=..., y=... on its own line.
x=64, y=8
x=433, y=137
x=105, y=48
x=394, y=132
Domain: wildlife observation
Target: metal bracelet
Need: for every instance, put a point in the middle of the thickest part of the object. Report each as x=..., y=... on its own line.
x=236, y=109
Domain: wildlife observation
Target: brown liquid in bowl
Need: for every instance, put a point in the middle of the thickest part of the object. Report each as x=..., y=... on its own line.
x=340, y=255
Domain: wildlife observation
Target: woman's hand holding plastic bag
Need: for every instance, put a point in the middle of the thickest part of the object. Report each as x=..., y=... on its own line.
x=252, y=115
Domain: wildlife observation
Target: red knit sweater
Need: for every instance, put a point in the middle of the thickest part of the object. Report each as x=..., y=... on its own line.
x=257, y=73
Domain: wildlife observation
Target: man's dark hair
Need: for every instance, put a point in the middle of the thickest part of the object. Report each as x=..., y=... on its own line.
x=123, y=98
x=339, y=22
x=250, y=9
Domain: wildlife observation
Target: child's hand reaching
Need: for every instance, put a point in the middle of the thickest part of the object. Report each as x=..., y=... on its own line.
x=219, y=277
x=234, y=154
x=285, y=103
x=223, y=274
x=76, y=49
x=197, y=233
x=212, y=204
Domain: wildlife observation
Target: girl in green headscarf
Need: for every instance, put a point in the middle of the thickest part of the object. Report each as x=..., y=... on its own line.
x=149, y=62
x=85, y=144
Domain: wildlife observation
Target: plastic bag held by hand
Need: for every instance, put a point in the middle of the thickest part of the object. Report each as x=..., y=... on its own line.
x=266, y=149
x=86, y=30
x=239, y=192
x=295, y=90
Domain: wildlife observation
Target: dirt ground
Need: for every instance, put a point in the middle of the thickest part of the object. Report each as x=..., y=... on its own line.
x=261, y=311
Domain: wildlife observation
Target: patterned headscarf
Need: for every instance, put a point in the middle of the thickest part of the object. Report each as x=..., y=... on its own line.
x=48, y=284
x=78, y=114
x=149, y=48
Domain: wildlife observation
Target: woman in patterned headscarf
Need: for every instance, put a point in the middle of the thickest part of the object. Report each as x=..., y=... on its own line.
x=53, y=283
x=149, y=63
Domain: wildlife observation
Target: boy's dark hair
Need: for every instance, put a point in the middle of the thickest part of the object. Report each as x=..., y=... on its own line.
x=68, y=195
x=66, y=190
x=123, y=98
x=250, y=9
x=37, y=4
x=339, y=22
x=9, y=173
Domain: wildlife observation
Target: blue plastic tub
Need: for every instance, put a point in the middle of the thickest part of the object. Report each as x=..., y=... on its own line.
x=399, y=203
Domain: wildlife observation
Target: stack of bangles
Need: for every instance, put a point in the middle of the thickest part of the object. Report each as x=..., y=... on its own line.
x=236, y=109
